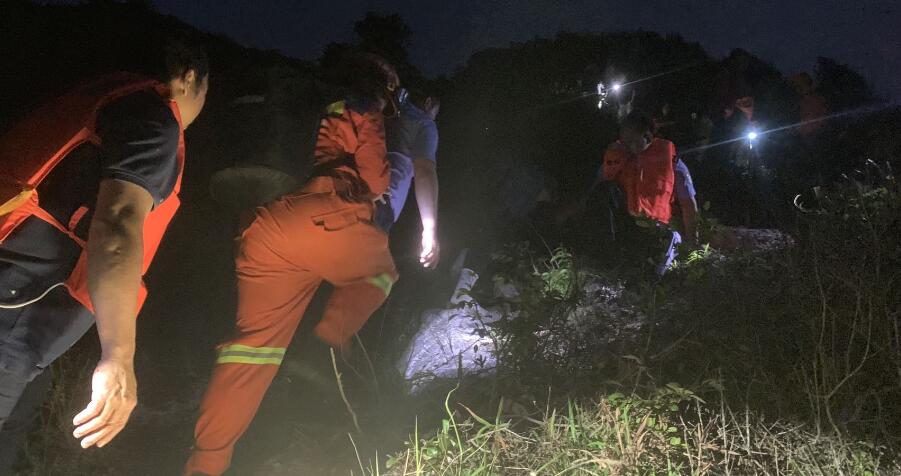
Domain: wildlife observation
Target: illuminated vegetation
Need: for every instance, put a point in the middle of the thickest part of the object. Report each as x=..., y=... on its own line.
x=791, y=357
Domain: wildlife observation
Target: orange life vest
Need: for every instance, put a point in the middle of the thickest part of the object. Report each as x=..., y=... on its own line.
x=31, y=150
x=648, y=180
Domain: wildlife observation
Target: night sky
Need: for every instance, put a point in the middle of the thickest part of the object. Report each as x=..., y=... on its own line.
x=790, y=33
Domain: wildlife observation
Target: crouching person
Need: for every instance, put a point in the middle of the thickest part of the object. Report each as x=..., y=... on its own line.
x=106, y=160
x=322, y=232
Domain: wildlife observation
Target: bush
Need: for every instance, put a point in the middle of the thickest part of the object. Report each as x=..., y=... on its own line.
x=797, y=349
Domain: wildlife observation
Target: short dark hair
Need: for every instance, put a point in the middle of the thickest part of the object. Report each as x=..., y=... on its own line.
x=418, y=96
x=367, y=76
x=165, y=55
x=181, y=54
x=637, y=121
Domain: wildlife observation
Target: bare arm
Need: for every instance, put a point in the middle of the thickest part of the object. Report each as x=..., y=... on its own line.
x=116, y=248
x=426, y=179
x=689, y=208
x=685, y=193
x=115, y=253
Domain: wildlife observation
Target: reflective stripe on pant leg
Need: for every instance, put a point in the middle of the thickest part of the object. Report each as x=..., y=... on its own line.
x=382, y=281
x=243, y=354
x=272, y=297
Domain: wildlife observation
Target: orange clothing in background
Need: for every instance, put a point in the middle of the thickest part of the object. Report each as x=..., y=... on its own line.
x=647, y=179
x=812, y=107
x=322, y=232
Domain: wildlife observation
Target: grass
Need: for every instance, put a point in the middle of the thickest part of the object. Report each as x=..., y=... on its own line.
x=53, y=450
x=791, y=355
x=784, y=361
x=672, y=432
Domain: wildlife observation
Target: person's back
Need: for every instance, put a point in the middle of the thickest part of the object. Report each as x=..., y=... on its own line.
x=37, y=255
x=323, y=231
x=99, y=170
x=413, y=133
x=647, y=177
x=350, y=146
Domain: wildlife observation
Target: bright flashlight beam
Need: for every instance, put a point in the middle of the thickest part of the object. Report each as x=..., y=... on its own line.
x=752, y=135
x=674, y=70
x=854, y=112
x=617, y=87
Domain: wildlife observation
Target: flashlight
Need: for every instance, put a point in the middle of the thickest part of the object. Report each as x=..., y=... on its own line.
x=752, y=136
x=616, y=87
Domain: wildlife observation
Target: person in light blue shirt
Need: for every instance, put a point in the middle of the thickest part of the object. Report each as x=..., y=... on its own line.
x=412, y=139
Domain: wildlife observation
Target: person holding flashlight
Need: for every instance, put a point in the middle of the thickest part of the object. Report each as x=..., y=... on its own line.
x=412, y=139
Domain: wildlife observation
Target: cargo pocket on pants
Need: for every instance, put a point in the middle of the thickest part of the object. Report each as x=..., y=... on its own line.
x=341, y=219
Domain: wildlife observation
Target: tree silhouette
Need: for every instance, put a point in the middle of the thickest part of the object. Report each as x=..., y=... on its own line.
x=842, y=87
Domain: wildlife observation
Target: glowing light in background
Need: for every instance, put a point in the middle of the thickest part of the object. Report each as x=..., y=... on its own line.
x=752, y=137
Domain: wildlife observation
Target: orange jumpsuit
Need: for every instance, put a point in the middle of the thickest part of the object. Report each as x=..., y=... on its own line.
x=323, y=231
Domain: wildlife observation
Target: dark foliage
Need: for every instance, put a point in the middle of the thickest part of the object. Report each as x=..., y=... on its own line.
x=516, y=127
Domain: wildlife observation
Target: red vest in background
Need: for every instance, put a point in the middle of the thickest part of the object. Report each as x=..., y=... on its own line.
x=31, y=150
x=647, y=180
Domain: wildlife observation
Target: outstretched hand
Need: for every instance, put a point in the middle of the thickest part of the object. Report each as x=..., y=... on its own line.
x=114, y=395
x=429, y=254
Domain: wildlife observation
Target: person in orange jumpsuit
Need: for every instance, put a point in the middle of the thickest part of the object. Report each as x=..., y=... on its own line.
x=322, y=232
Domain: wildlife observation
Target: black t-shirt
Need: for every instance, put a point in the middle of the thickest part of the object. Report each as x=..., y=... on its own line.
x=139, y=142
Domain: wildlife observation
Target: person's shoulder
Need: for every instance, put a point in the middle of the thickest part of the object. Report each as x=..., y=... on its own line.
x=428, y=126
x=663, y=143
x=361, y=106
x=147, y=104
x=663, y=146
x=616, y=148
x=143, y=107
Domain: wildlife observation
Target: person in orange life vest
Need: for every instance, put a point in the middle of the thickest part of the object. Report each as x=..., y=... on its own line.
x=647, y=177
x=412, y=139
x=322, y=232
x=651, y=175
x=75, y=258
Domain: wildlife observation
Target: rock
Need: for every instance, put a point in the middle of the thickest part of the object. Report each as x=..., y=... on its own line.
x=454, y=342
x=451, y=342
x=726, y=238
